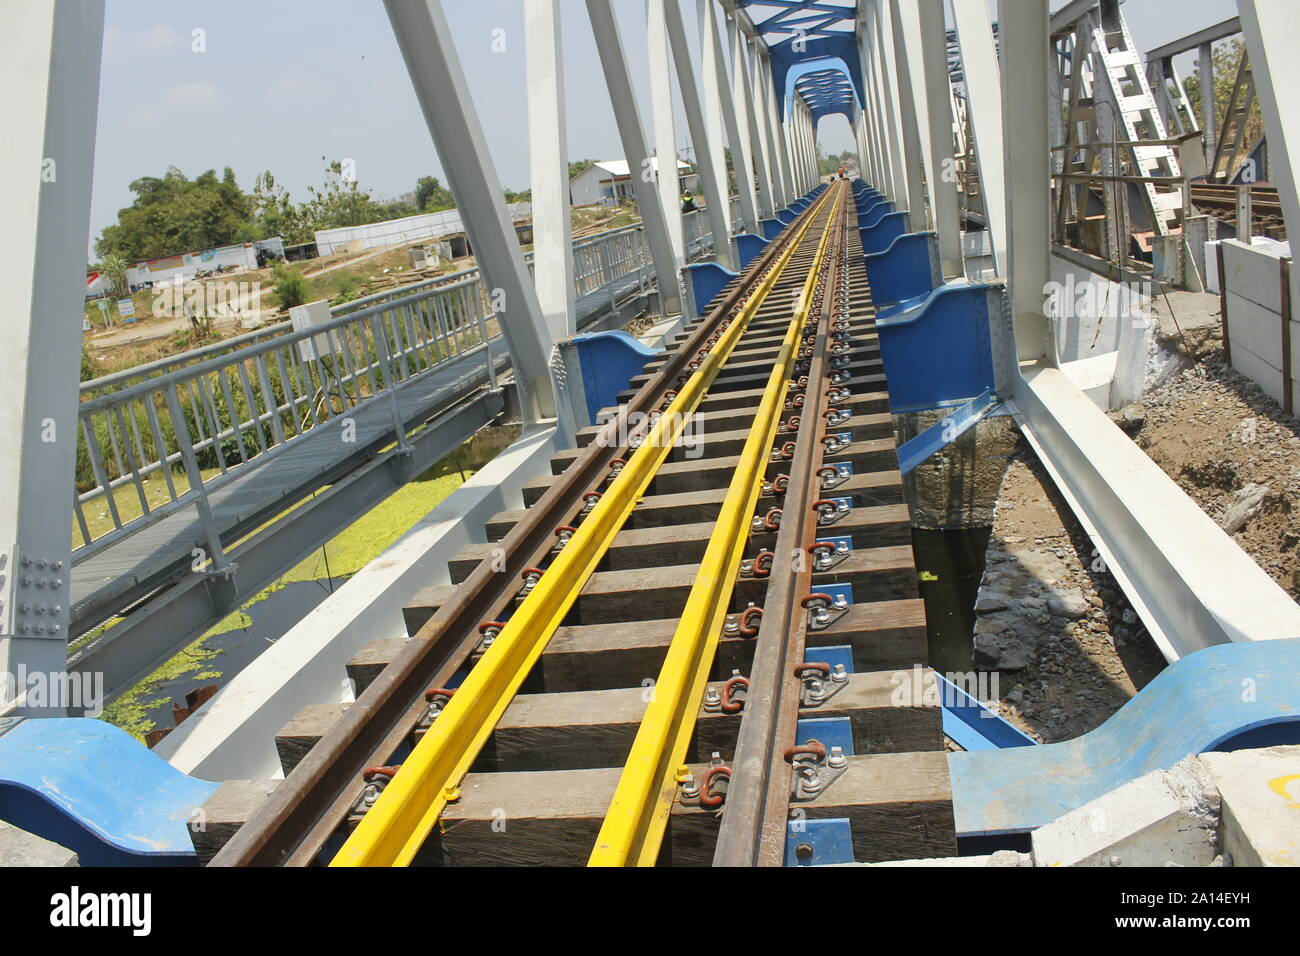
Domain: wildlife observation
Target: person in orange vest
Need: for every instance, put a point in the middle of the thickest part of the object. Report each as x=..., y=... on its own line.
x=841, y=172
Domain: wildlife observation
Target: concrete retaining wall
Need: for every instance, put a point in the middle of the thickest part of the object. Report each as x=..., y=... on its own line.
x=1252, y=294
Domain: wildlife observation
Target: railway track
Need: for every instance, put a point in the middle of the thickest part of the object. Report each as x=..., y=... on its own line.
x=694, y=645
x=1223, y=196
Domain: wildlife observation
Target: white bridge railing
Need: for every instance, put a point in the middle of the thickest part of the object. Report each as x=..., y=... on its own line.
x=199, y=419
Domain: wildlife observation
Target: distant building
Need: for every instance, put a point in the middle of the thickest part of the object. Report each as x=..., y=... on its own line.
x=142, y=275
x=392, y=232
x=609, y=182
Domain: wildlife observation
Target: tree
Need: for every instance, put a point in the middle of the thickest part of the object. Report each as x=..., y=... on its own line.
x=580, y=166
x=1227, y=61
x=113, y=268
x=276, y=214
x=432, y=196
x=340, y=201
x=174, y=214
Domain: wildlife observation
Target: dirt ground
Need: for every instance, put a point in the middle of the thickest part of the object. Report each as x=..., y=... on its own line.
x=1050, y=604
x=1229, y=446
x=1217, y=434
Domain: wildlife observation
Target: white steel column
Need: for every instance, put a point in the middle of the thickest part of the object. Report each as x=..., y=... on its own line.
x=806, y=143
x=549, y=167
x=888, y=90
x=711, y=97
x=1272, y=35
x=758, y=91
x=979, y=64
x=790, y=143
x=810, y=147
x=926, y=18
x=1026, y=48
x=1209, y=123
x=877, y=133
x=718, y=91
x=748, y=113
x=780, y=157
x=708, y=148
x=665, y=132
x=866, y=159
x=609, y=45
x=800, y=130
x=794, y=137
x=913, y=164
x=434, y=67
x=50, y=73
x=907, y=31
x=871, y=119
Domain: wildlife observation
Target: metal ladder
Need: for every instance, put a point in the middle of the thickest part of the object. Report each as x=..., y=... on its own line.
x=1118, y=79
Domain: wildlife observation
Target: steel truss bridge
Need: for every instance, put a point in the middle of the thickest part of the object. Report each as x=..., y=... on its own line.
x=636, y=634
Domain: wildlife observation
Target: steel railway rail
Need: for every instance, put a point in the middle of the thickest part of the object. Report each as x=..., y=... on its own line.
x=1223, y=196
x=548, y=706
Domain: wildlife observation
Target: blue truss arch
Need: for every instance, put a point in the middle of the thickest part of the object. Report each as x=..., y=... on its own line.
x=799, y=32
x=825, y=84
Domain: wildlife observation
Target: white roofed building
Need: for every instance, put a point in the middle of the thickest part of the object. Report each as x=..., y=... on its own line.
x=609, y=181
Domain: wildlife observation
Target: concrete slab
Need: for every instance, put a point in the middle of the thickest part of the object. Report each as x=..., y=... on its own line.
x=1168, y=817
x=1260, y=793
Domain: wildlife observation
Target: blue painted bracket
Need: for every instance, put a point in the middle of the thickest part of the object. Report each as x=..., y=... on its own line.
x=748, y=246
x=785, y=216
x=907, y=266
x=944, y=432
x=608, y=361
x=874, y=213
x=937, y=349
x=1197, y=704
x=704, y=280
x=771, y=228
x=86, y=785
x=867, y=198
x=879, y=237
x=972, y=725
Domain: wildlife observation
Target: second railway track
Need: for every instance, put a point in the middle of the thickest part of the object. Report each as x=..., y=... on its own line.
x=694, y=645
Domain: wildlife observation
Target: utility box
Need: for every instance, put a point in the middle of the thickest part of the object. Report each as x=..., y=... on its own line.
x=419, y=257
x=309, y=316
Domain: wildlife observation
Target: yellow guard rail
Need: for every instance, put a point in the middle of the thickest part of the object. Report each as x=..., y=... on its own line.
x=396, y=826
x=638, y=815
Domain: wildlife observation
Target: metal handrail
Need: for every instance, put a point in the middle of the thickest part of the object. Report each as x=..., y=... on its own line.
x=243, y=401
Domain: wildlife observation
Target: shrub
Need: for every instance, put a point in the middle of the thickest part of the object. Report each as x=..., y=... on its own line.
x=290, y=287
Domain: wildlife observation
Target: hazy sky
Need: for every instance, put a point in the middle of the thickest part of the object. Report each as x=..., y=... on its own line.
x=284, y=82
